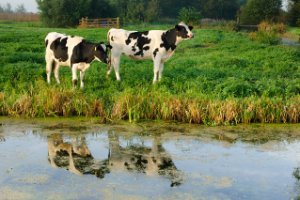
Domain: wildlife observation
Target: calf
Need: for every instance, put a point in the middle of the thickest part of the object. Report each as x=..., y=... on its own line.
x=157, y=45
x=72, y=51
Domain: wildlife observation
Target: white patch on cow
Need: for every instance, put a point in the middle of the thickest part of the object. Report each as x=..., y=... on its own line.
x=104, y=47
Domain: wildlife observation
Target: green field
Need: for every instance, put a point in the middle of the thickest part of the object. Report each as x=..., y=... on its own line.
x=219, y=77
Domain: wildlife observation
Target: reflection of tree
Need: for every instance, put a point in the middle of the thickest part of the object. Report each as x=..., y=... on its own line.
x=76, y=157
x=296, y=174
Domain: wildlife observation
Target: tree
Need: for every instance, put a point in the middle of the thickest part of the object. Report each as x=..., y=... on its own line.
x=66, y=13
x=171, y=8
x=152, y=11
x=20, y=9
x=135, y=11
x=294, y=13
x=256, y=11
x=220, y=9
x=100, y=8
x=189, y=15
x=7, y=8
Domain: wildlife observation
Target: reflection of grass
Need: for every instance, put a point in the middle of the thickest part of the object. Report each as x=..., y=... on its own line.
x=293, y=34
x=216, y=78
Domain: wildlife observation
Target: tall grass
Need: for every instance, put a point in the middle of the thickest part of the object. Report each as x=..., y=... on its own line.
x=218, y=77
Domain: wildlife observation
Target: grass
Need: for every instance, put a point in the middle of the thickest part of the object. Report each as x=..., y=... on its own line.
x=219, y=77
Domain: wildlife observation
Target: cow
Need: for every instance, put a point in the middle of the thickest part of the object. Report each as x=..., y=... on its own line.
x=157, y=45
x=72, y=51
x=76, y=157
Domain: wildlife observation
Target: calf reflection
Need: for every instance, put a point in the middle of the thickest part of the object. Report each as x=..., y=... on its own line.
x=76, y=157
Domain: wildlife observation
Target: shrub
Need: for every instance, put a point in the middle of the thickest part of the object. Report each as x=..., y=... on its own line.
x=190, y=15
x=268, y=33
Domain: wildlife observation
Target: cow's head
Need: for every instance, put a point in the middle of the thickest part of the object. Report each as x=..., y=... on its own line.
x=101, y=52
x=184, y=31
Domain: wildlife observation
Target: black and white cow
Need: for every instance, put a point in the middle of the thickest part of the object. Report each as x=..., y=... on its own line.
x=72, y=51
x=157, y=45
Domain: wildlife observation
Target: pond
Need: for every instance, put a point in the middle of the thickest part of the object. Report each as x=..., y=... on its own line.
x=80, y=159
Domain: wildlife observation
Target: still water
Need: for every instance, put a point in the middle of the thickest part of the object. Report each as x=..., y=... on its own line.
x=76, y=159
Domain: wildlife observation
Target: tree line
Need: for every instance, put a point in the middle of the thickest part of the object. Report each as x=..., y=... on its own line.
x=64, y=13
x=8, y=8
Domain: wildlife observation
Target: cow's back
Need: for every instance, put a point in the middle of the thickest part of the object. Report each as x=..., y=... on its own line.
x=138, y=45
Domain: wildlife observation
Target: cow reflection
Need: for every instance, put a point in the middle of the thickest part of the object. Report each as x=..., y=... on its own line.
x=70, y=155
x=76, y=157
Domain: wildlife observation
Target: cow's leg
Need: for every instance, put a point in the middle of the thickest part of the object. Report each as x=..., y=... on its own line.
x=74, y=74
x=116, y=64
x=49, y=64
x=156, y=61
x=83, y=68
x=56, y=72
x=109, y=68
x=81, y=79
x=161, y=68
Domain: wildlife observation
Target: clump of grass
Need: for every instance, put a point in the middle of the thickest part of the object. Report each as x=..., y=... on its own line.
x=268, y=33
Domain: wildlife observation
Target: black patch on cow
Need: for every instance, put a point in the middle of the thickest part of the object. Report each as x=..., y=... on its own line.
x=141, y=42
x=46, y=43
x=60, y=49
x=169, y=40
x=155, y=52
x=87, y=51
x=133, y=49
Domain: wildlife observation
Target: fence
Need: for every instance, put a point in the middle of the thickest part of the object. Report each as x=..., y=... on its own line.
x=20, y=17
x=99, y=23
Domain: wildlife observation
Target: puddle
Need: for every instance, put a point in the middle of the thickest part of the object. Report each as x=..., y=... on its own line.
x=83, y=160
x=289, y=42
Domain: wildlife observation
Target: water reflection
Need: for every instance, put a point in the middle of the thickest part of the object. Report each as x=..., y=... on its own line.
x=74, y=155
x=143, y=161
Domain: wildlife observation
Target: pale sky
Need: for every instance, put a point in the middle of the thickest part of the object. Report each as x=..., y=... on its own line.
x=31, y=5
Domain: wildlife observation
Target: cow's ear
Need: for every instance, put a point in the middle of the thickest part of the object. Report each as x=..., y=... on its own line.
x=191, y=28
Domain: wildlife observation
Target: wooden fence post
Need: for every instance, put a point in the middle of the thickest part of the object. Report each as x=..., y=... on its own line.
x=118, y=22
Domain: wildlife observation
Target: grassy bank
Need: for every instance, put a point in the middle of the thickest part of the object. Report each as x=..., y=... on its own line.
x=217, y=78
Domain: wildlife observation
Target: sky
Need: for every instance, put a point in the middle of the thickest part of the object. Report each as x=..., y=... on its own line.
x=31, y=5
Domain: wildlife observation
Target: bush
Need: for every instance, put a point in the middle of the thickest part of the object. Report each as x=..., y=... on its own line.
x=268, y=33
x=229, y=25
x=190, y=15
x=256, y=11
